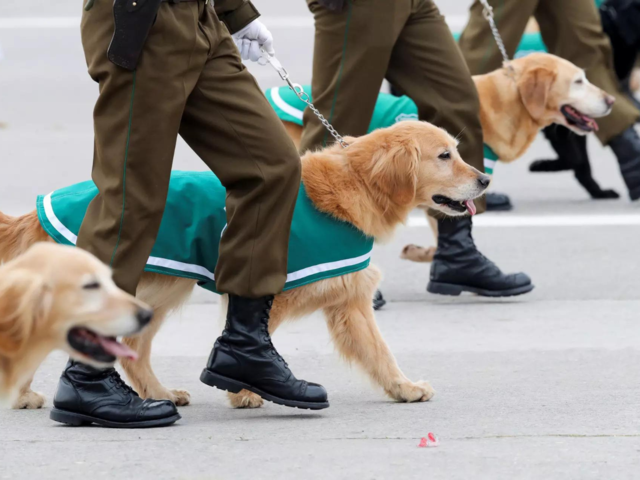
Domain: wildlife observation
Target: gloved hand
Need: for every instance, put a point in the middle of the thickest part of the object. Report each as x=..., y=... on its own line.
x=251, y=39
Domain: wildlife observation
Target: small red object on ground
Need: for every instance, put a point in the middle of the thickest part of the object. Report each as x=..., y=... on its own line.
x=429, y=441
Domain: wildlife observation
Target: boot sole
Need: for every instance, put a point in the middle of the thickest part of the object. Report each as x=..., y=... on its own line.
x=455, y=290
x=228, y=384
x=501, y=208
x=78, y=420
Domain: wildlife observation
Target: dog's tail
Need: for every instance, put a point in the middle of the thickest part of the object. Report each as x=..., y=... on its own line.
x=17, y=234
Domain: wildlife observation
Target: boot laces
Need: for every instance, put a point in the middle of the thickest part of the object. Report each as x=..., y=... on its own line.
x=120, y=384
x=267, y=335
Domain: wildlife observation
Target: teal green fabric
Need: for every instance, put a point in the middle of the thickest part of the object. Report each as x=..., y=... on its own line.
x=287, y=104
x=490, y=159
x=388, y=110
x=194, y=220
x=530, y=43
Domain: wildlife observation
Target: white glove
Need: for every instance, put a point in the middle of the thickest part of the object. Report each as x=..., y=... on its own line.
x=251, y=39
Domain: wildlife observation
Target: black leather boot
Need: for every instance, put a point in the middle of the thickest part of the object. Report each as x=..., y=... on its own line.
x=87, y=395
x=459, y=267
x=378, y=300
x=243, y=357
x=626, y=146
x=498, y=202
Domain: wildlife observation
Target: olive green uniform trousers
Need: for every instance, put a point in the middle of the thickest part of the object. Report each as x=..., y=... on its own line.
x=409, y=43
x=571, y=29
x=190, y=81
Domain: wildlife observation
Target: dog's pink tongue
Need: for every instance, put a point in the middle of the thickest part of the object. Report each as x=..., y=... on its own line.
x=471, y=207
x=116, y=348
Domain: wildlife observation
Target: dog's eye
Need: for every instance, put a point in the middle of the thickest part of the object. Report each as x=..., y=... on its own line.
x=444, y=156
x=91, y=286
x=579, y=81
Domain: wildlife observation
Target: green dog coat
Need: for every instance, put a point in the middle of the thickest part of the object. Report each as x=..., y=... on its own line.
x=194, y=220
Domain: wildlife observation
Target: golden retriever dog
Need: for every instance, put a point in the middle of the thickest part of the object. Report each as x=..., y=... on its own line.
x=543, y=89
x=373, y=184
x=57, y=297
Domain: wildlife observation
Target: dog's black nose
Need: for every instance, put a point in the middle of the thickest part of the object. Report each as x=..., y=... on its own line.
x=484, y=180
x=144, y=316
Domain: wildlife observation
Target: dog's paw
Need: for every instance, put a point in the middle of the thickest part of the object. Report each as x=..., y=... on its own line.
x=181, y=398
x=415, y=253
x=245, y=399
x=606, y=195
x=29, y=401
x=415, y=392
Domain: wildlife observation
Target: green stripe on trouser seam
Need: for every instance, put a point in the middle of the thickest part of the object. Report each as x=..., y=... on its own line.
x=344, y=55
x=124, y=169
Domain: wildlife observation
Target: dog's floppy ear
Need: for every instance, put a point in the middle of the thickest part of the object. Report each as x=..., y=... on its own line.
x=534, y=86
x=24, y=300
x=394, y=170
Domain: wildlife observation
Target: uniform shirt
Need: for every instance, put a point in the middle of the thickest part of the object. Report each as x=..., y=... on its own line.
x=194, y=220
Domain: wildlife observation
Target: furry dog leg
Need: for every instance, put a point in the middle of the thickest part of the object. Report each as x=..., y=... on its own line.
x=141, y=374
x=355, y=333
x=28, y=399
x=164, y=294
x=418, y=254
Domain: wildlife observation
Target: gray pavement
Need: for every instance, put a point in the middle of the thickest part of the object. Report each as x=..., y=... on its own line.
x=544, y=385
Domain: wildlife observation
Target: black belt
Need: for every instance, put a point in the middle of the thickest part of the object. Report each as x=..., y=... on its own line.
x=178, y=1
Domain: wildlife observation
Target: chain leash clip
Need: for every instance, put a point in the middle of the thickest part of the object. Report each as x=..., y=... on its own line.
x=487, y=12
x=301, y=94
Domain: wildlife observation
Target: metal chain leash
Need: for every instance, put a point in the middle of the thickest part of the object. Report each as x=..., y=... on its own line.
x=302, y=95
x=488, y=15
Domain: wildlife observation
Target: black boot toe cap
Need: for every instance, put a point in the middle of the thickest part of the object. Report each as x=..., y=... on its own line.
x=157, y=409
x=519, y=279
x=315, y=393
